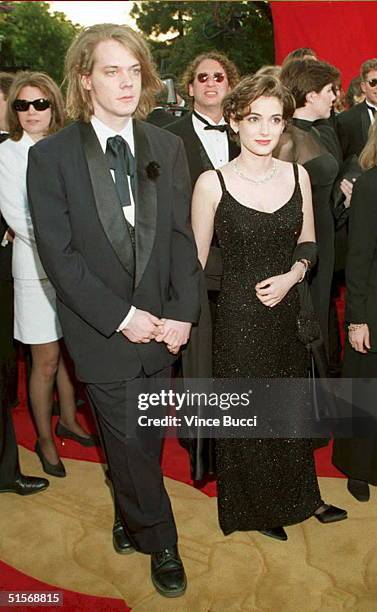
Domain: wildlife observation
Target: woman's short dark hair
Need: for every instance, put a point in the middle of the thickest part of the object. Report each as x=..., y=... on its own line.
x=237, y=103
x=49, y=89
x=300, y=53
x=303, y=76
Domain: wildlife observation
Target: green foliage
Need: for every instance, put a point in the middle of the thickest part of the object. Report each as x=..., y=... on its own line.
x=35, y=39
x=241, y=30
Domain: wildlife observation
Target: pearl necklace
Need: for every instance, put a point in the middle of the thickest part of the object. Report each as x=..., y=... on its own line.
x=266, y=178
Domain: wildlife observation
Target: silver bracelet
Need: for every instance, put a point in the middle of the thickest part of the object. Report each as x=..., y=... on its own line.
x=352, y=327
x=306, y=266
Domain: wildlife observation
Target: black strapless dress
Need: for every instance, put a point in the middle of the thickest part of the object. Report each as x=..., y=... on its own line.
x=262, y=483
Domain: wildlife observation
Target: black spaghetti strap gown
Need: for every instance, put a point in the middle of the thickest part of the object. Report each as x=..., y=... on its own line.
x=262, y=483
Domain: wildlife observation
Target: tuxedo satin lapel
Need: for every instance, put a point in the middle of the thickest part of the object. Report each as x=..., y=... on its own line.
x=145, y=202
x=193, y=150
x=234, y=149
x=365, y=122
x=106, y=199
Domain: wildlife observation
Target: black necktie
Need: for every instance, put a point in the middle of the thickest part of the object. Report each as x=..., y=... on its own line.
x=208, y=126
x=371, y=108
x=121, y=160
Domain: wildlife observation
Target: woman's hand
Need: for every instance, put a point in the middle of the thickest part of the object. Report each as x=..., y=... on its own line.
x=272, y=290
x=359, y=338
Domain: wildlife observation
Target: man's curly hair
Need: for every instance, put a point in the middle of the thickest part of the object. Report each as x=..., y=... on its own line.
x=228, y=66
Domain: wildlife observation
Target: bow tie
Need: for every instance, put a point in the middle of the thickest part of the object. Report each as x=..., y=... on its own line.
x=208, y=126
x=371, y=108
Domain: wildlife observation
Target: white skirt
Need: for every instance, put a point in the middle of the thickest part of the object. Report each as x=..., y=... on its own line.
x=35, y=318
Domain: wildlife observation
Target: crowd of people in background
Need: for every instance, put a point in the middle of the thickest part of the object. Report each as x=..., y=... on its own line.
x=95, y=215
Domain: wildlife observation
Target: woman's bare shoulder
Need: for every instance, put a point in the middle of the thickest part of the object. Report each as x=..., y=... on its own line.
x=208, y=182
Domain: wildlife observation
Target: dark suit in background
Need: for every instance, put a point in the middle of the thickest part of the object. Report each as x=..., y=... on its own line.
x=357, y=457
x=99, y=269
x=160, y=117
x=197, y=358
x=197, y=157
x=352, y=127
x=9, y=467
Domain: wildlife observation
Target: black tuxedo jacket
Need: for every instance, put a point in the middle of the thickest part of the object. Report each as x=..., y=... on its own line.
x=86, y=249
x=352, y=127
x=185, y=130
x=5, y=252
x=160, y=117
x=361, y=269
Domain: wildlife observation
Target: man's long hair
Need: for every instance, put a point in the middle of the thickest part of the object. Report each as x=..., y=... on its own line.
x=80, y=60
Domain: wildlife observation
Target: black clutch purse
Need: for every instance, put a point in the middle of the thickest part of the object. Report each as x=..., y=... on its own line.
x=308, y=328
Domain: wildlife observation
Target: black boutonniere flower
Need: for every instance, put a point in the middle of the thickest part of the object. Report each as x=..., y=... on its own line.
x=153, y=170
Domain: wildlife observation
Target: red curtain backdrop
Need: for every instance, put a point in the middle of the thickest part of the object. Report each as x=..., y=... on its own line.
x=342, y=33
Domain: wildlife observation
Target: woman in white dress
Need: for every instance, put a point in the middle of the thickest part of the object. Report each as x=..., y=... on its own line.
x=35, y=109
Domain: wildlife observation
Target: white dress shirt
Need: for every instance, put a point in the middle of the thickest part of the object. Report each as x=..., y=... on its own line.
x=370, y=113
x=14, y=207
x=103, y=132
x=214, y=142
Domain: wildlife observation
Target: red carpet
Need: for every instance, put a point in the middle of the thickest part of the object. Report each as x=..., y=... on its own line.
x=175, y=461
x=175, y=465
x=13, y=580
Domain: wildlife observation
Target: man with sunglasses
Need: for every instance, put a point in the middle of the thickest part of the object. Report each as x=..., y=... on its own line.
x=207, y=80
x=353, y=125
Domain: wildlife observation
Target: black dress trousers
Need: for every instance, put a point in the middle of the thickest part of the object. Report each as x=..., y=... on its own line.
x=134, y=464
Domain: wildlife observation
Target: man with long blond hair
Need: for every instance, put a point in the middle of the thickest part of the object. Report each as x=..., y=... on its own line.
x=110, y=198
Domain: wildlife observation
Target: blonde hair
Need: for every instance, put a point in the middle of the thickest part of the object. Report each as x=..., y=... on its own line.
x=80, y=61
x=49, y=89
x=269, y=71
x=368, y=156
x=370, y=64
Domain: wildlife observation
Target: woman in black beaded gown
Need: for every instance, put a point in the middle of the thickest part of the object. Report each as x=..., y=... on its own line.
x=311, y=83
x=260, y=208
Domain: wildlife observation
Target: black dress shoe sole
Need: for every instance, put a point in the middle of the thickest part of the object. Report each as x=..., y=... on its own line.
x=123, y=551
x=167, y=592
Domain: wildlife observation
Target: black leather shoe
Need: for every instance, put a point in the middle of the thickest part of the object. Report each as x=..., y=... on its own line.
x=278, y=533
x=330, y=514
x=52, y=469
x=359, y=489
x=26, y=485
x=168, y=574
x=121, y=543
x=63, y=432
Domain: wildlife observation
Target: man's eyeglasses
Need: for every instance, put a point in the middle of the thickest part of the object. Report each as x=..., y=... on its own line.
x=372, y=82
x=204, y=76
x=40, y=104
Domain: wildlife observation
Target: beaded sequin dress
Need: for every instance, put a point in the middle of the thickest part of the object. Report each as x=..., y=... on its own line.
x=270, y=482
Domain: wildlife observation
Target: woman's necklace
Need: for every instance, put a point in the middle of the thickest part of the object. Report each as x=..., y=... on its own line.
x=266, y=178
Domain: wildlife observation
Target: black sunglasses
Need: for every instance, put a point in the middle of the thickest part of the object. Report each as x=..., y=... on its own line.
x=372, y=82
x=40, y=104
x=204, y=76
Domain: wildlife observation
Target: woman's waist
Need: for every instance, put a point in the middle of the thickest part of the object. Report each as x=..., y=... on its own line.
x=26, y=262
